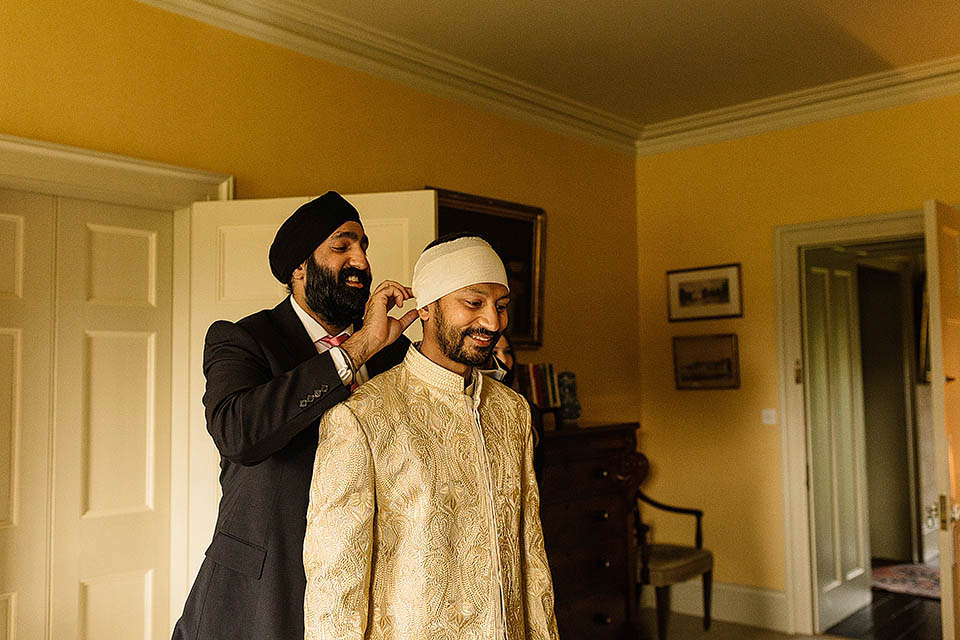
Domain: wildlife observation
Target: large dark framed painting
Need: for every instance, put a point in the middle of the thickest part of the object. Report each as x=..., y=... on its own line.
x=518, y=233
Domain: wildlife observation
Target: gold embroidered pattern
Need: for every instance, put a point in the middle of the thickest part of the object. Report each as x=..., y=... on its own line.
x=403, y=481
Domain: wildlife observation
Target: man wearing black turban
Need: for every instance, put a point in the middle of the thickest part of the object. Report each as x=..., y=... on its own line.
x=270, y=377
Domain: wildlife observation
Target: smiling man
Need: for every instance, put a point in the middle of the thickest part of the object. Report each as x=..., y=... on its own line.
x=269, y=378
x=424, y=520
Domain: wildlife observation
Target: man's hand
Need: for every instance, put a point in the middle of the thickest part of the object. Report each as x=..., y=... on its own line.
x=380, y=329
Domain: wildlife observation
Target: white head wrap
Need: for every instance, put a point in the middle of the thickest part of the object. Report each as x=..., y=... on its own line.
x=452, y=265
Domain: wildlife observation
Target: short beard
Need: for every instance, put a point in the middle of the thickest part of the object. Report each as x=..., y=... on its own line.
x=452, y=342
x=329, y=296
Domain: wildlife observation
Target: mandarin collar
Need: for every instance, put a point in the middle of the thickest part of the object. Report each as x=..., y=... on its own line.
x=433, y=374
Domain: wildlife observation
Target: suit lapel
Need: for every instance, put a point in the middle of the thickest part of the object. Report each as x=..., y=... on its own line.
x=293, y=338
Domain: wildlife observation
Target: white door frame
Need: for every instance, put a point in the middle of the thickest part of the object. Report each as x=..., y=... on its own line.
x=43, y=167
x=796, y=512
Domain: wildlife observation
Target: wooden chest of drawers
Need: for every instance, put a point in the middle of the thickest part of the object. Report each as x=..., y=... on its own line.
x=587, y=500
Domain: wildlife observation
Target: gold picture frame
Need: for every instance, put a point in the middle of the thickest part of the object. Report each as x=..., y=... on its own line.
x=706, y=361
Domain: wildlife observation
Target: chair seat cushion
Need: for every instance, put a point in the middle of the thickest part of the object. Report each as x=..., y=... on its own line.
x=672, y=563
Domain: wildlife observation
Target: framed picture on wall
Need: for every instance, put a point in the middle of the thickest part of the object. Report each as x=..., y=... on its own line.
x=706, y=362
x=704, y=293
x=518, y=234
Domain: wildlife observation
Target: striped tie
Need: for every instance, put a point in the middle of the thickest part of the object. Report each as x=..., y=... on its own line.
x=335, y=341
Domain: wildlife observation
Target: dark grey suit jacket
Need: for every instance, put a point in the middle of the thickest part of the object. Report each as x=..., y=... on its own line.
x=267, y=388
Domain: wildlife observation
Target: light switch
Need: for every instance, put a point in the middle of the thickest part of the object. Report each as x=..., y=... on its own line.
x=768, y=416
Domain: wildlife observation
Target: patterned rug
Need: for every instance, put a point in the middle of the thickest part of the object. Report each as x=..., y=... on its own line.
x=912, y=579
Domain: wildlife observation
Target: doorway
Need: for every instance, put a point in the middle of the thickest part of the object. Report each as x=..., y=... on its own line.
x=788, y=241
x=900, y=442
x=867, y=420
x=88, y=520
x=940, y=226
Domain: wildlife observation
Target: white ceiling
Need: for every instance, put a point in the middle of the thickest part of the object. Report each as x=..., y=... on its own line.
x=622, y=67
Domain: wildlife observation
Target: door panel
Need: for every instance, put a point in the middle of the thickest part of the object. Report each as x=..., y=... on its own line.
x=26, y=359
x=835, y=434
x=84, y=418
x=230, y=278
x=112, y=422
x=942, y=235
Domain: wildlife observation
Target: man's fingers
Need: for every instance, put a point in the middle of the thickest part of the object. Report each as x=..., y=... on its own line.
x=392, y=288
x=392, y=300
x=390, y=294
x=407, y=319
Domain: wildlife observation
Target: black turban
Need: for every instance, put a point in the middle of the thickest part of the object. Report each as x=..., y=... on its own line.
x=305, y=230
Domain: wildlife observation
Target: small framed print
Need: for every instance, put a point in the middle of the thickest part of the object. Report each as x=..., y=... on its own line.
x=704, y=293
x=706, y=362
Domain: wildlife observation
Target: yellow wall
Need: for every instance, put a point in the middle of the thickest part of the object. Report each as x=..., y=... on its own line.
x=718, y=204
x=126, y=78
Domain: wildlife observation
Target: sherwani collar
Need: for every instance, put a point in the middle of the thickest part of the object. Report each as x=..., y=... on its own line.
x=425, y=369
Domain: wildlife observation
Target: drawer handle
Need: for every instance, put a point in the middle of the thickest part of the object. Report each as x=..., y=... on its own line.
x=602, y=473
x=602, y=618
x=604, y=563
x=603, y=515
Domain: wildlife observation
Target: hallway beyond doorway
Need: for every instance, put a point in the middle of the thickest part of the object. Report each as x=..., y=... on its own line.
x=893, y=616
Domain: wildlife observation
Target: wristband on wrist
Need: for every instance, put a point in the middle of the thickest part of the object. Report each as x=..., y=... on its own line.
x=349, y=361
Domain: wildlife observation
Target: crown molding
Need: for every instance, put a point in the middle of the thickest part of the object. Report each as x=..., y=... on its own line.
x=56, y=169
x=295, y=25
x=882, y=90
x=298, y=26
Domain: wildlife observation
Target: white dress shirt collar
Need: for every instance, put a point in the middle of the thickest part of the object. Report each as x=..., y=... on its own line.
x=314, y=329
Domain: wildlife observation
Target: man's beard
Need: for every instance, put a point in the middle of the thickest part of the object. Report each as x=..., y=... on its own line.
x=452, y=342
x=329, y=296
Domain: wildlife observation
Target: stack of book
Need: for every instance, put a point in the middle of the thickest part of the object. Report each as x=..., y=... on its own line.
x=538, y=384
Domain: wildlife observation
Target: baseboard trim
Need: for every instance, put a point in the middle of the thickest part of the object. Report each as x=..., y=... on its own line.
x=751, y=606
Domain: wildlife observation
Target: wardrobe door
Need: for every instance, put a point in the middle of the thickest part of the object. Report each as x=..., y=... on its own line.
x=26, y=406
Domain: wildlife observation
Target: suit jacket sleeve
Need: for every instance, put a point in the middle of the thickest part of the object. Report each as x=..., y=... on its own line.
x=337, y=547
x=251, y=412
x=538, y=584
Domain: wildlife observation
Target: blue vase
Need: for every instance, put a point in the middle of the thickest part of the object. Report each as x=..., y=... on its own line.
x=569, y=405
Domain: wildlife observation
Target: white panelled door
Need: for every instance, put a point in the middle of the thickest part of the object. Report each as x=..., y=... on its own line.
x=84, y=418
x=835, y=432
x=26, y=402
x=230, y=278
x=111, y=488
x=87, y=396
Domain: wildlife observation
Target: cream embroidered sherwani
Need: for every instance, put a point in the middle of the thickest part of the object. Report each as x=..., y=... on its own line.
x=424, y=518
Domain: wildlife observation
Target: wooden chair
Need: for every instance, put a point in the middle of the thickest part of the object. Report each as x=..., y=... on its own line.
x=662, y=565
